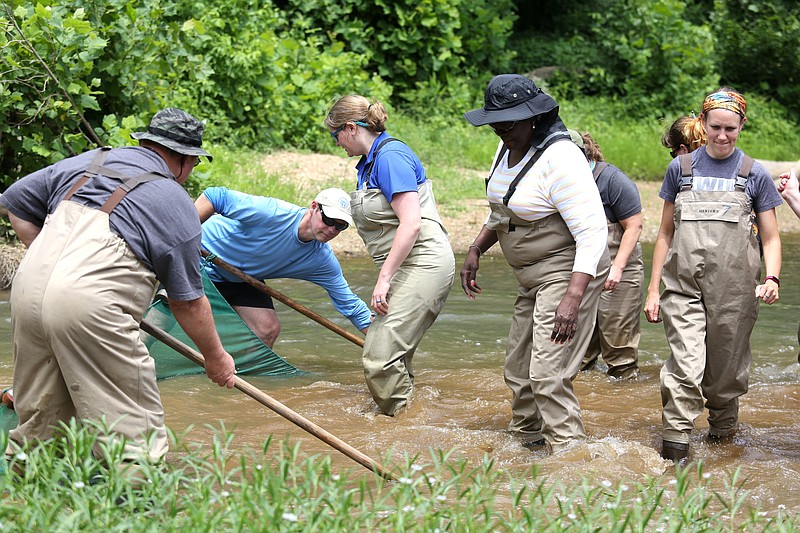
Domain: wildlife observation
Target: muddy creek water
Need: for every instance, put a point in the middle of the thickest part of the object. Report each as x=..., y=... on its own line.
x=461, y=402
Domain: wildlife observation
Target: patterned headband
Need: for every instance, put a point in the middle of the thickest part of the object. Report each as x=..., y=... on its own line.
x=726, y=100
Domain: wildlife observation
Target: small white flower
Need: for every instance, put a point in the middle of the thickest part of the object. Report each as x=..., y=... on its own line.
x=416, y=468
x=673, y=481
x=289, y=517
x=149, y=481
x=335, y=477
x=477, y=344
x=572, y=516
x=21, y=456
x=408, y=508
x=259, y=467
x=225, y=494
x=762, y=513
x=781, y=506
x=624, y=487
x=441, y=497
x=706, y=475
x=610, y=505
x=606, y=483
x=405, y=480
x=638, y=500
x=79, y=484
x=432, y=480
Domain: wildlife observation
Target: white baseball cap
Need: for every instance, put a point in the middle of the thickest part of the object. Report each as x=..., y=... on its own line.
x=336, y=204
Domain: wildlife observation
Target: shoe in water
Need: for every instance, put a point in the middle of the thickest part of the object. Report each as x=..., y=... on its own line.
x=674, y=451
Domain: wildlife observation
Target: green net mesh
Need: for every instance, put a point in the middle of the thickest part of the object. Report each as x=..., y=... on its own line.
x=252, y=356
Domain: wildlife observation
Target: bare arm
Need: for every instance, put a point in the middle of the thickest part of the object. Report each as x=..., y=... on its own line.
x=204, y=208
x=789, y=188
x=406, y=207
x=652, y=306
x=469, y=272
x=771, y=243
x=631, y=230
x=195, y=317
x=26, y=231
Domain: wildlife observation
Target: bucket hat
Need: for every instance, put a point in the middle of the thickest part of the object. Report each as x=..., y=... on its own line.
x=177, y=130
x=511, y=97
x=336, y=204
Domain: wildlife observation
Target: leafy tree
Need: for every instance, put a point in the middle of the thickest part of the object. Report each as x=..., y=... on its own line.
x=758, y=43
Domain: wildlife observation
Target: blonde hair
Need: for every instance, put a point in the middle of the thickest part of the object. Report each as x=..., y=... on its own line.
x=591, y=148
x=688, y=131
x=356, y=108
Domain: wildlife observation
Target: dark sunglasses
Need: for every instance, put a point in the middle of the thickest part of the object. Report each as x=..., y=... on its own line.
x=332, y=222
x=335, y=134
x=501, y=128
x=673, y=154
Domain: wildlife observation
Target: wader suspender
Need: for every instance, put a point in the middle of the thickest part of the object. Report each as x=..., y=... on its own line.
x=599, y=167
x=128, y=182
x=512, y=188
x=686, y=172
x=368, y=168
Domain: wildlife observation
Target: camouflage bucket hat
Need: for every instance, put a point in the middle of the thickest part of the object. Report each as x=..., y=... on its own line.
x=177, y=130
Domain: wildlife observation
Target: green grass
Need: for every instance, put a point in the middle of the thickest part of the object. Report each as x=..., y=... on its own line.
x=276, y=488
x=458, y=155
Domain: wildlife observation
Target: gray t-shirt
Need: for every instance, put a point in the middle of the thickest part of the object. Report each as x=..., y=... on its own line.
x=157, y=219
x=719, y=175
x=619, y=194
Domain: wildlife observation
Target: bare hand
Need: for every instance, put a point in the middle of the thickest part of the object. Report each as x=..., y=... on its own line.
x=652, y=308
x=469, y=274
x=768, y=292
x=613, y=279
x=221, y=370
x=566, y=320
x=380, y=297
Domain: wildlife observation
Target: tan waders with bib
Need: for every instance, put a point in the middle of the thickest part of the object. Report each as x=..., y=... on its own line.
x=709, y=308
x=76, y=303
x=538, y=370
x=618, y=330
x=418, y=292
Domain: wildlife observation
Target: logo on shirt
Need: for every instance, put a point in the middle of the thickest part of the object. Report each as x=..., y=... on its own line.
x=706, y=183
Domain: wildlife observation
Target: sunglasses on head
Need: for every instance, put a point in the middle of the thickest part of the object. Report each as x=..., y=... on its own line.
x=332, y=222
x=501, y=128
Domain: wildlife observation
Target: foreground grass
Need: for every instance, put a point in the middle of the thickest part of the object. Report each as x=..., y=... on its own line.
x=276, y=488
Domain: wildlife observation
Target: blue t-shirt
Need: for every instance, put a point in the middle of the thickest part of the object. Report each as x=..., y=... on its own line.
x=259, y=236
x=397, y=169
x=157, y=219
x=720, y=175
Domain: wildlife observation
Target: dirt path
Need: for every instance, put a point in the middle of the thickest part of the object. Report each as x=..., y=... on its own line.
x=463, y=221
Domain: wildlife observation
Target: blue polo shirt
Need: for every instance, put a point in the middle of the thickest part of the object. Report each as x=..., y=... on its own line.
x=397, y=169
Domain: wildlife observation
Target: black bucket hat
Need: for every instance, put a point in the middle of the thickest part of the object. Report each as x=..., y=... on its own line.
x=511, y=97
x=177, y=130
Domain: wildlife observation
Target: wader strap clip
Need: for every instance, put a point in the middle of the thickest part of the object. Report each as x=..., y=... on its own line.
x=686, y=171
x=744, y=172
x=97, y=160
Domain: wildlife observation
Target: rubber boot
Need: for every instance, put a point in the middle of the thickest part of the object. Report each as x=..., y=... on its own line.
x=674, y=451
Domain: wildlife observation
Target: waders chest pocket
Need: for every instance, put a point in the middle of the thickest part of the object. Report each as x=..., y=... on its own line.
x=720, y=211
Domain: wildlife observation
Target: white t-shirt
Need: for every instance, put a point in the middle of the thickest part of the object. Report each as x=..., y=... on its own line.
x=559, y=182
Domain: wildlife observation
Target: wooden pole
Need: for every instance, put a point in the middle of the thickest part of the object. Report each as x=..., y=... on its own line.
x=271, y=403
x=263, y=287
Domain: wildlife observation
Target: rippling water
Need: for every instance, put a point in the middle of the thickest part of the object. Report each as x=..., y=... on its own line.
x=461, y=402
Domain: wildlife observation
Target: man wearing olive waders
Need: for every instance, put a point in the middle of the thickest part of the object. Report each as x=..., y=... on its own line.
x=708, y=250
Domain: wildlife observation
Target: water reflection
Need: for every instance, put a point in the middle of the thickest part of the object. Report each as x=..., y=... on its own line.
x=462, y=403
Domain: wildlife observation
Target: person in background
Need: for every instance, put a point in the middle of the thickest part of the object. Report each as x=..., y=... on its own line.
x=684, y=136
x=707, y=254
x=547, y=215
x=395, y=213
x=101, y=228
x=617, y=332
x=268, y=238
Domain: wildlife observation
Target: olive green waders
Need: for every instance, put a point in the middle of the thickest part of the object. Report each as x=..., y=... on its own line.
x=709, y=310
x=618, y=329
x=416, y=295
x=538, y=370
